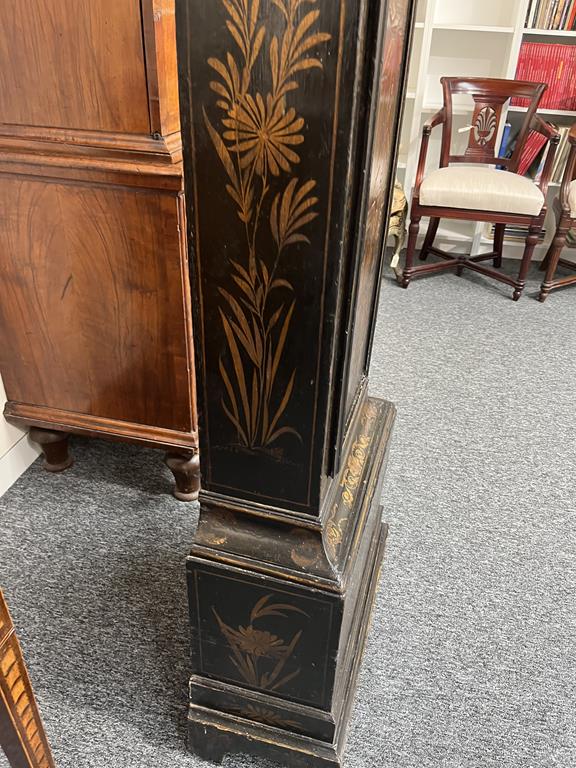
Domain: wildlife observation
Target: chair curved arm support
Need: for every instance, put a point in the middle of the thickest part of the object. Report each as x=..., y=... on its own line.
x=438, y=119
x=541, y=126
x=569, y=173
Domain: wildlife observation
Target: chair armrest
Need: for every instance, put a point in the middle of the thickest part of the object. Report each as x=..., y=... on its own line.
x=552, y=135
x=439, y=118
x=541, y=126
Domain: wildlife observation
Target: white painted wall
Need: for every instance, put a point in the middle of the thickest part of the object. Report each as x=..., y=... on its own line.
x=17, y=452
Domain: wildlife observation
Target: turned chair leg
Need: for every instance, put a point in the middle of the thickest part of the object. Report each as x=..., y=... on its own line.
x=54, y=447
x=429, y=239
x=543, y=266
x=499, y=232
x=552, y=258
x=410, y=248
x=531, y=242
x=185, y=466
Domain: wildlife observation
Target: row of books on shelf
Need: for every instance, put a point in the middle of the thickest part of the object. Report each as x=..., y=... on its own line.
x=535, y=152
x=551, y=14
x=553, y=64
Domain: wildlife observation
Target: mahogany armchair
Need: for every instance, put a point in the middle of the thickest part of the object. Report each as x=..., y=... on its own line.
x=565, y=210
x=475, y=192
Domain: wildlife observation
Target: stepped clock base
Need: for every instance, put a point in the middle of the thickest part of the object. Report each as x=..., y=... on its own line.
x=214, y=734
x=280, y=615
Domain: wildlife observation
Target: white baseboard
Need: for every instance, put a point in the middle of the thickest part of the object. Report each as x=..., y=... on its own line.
x=16, y=461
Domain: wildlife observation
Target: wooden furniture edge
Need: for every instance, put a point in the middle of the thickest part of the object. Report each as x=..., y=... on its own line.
x=24, y=747
x=98, y=426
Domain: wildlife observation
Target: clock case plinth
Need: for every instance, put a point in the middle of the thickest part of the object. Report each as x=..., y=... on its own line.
x=325, y=575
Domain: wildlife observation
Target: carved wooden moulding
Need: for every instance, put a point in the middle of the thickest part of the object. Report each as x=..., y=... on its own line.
x=290, y=112
x=22, y=736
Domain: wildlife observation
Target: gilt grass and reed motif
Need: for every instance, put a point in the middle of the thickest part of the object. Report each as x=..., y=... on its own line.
x=259, y=143
x=260, y=656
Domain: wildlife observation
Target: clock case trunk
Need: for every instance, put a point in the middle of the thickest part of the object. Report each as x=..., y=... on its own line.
x=287, y=554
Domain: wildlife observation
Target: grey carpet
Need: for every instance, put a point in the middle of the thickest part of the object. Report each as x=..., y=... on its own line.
x=471, y=658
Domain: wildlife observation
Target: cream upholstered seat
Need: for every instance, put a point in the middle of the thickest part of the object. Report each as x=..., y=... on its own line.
x=482, y=189
x=572, y=197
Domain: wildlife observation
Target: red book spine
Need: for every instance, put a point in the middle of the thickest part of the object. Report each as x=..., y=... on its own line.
x=533, y=145
x=572, y=80
x=520, y=73
x=563, y=81
x=558, y=75
x=572, y=17
x=561, y=78
x=540, y=65
x=548, y=75
x=537, y=66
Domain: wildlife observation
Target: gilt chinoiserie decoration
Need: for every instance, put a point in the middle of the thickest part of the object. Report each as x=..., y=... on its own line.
x=290, y=112
x=258, y=147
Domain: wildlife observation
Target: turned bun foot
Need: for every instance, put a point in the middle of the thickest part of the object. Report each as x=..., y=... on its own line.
x=185, y=466
x=54, y=447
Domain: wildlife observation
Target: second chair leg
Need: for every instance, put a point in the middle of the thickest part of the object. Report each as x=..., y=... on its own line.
x=499, y=231
x=531, y=242
x=546, y=260
x=429, y=239
x=410, y=248
x=552, y=258
x=185, y=466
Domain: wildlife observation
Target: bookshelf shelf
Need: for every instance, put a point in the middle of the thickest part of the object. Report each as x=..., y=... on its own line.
x=555, y=112
x=550, y=33
x=474, y=28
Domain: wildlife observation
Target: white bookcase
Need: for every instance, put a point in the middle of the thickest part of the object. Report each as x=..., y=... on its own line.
x=478, y=38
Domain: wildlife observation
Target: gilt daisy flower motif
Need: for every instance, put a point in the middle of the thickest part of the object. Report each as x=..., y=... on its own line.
x=259, y=643
x=263, y=132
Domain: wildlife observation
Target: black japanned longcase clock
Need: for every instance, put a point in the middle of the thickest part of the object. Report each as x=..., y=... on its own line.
x=290, y=113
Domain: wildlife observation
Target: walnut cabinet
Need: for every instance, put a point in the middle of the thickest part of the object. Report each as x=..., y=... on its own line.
x=95, y=316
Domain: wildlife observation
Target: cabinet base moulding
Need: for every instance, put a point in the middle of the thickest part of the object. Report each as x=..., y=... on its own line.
x=98, y=426
x=50, y=429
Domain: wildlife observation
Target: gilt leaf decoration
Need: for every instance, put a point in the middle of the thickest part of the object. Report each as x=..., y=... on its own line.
x=259, y=143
